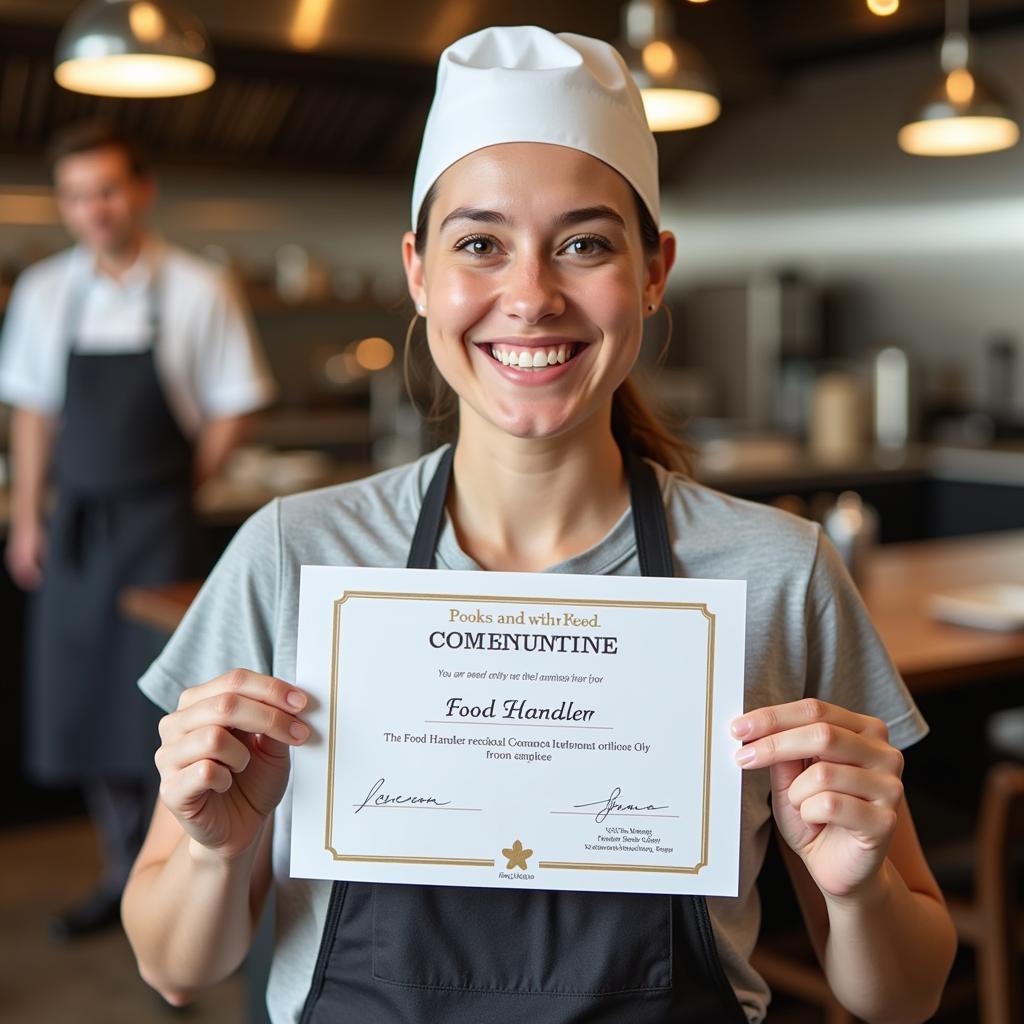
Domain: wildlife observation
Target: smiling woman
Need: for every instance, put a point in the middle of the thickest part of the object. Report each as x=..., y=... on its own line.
x=525, y=289
x=597, y=237
x=535, y=258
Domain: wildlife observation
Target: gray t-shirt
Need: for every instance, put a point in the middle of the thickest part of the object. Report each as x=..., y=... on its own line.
x=807, y=635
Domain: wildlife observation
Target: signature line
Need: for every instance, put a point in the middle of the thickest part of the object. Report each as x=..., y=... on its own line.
x=590, y=814
x=415, y=807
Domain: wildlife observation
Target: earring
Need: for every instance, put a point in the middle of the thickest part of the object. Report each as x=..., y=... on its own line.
x=420, y=308
x=650, y=307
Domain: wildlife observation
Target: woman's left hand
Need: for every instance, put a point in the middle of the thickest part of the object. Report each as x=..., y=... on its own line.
x=836, y=786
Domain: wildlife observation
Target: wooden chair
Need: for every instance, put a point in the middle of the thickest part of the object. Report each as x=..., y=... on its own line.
x=990, y=920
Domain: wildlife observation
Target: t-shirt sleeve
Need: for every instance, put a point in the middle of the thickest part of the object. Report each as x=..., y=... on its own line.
x=231, y=374
x=847, y=664
x=232, y=621
x=30, y=377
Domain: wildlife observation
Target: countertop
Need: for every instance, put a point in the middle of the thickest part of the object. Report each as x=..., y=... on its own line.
x=899, y=582
x=741, y=467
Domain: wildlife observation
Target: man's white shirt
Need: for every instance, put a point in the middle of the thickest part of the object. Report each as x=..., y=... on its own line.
x=208, y=358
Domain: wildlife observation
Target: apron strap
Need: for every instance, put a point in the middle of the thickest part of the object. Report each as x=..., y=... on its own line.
x=649, y=524
x=431, y=517
x=76, y=301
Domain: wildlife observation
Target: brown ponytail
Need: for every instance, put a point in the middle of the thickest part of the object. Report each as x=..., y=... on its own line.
x=645, y=431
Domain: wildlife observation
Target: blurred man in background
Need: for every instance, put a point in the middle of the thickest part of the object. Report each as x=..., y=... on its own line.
x=134, y=371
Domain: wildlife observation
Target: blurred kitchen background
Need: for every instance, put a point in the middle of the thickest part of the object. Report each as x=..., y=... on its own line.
x=847, y=316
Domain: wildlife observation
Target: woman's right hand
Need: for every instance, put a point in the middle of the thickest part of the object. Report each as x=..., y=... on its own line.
x=223, y=758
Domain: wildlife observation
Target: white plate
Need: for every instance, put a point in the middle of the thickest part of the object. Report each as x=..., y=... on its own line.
x=984, y=606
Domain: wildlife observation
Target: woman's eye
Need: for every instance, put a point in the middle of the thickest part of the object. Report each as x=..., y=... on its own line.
x=478, y=246
x=586, y=246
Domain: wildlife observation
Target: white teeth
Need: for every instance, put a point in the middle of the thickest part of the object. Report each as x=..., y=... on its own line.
x=533, y=359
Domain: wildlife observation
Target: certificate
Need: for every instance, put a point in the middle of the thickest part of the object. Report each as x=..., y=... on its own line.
x=532, y=730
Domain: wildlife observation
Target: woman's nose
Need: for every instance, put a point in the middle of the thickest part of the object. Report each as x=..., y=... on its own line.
x=532, y=292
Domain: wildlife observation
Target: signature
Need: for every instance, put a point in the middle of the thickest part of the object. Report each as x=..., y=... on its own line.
x=376, y=798
x=612, y=806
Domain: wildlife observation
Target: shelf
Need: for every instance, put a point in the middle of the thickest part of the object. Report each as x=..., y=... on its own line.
x=264, y=300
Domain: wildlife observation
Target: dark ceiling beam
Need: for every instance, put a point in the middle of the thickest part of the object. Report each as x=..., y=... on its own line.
x=799, y=34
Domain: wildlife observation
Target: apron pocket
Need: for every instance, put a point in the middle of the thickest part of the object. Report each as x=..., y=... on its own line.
x=496, y=940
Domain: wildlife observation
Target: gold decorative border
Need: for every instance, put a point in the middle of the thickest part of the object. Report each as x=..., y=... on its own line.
x=491, y=599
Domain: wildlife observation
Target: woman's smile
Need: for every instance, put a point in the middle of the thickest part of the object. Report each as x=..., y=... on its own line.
x=531, y=361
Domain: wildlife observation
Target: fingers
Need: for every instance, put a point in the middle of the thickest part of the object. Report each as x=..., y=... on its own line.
x=212, y=742
x=860, y=817
x=232, y=711
x=842, y=780
x=814, y=730
x=241, y=700
x=822, y=741
x=184, y=790
x=779, y=717
x=266, y=689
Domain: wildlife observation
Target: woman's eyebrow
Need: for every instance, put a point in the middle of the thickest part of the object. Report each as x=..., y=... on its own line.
x=473, y=213
x=567, y=219
x=586, y=213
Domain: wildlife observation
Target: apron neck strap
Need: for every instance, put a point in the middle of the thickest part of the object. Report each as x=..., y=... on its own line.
x=76, y=301
x=649, y=524
x=431, y=517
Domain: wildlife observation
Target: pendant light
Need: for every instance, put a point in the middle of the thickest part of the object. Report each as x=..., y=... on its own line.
x=676, y=84
x=142, y=48
x=961, y=115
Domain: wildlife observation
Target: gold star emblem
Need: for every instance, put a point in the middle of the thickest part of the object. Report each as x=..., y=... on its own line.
x=517, y=856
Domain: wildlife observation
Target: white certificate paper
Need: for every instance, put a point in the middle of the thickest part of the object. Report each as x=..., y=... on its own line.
x=538, y=731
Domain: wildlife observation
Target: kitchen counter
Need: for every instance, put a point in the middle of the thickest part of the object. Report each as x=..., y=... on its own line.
x=742, y=466
x=224, y=501
x=899, y=582
x=768, y=463
x=746, y=468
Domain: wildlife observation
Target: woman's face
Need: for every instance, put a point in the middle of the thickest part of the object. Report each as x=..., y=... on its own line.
x=535, y=284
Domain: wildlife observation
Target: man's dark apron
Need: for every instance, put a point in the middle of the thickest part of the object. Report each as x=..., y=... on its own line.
x=418, y=954
x=122, y=470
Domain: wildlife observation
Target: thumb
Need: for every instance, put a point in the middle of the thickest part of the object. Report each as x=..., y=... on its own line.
x=271, y=749
x=783, y=775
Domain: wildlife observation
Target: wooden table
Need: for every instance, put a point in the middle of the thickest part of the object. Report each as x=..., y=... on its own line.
x=160, y=607
x=929, y=654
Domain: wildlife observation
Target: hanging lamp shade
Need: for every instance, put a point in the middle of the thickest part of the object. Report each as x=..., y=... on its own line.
x=962, y=114
x=677, y=86
x=140, y=48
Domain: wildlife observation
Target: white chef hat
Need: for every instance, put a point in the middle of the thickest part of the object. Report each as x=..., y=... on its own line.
x=525, y=84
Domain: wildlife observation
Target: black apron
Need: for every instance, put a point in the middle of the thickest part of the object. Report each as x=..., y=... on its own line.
x=123, y=474
x=420, y=954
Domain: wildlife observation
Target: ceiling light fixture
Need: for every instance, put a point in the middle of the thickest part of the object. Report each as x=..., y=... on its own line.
x=140, y=48
x=307, y=30
x=883, y=8
x=675, y=82
x=961, y=115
